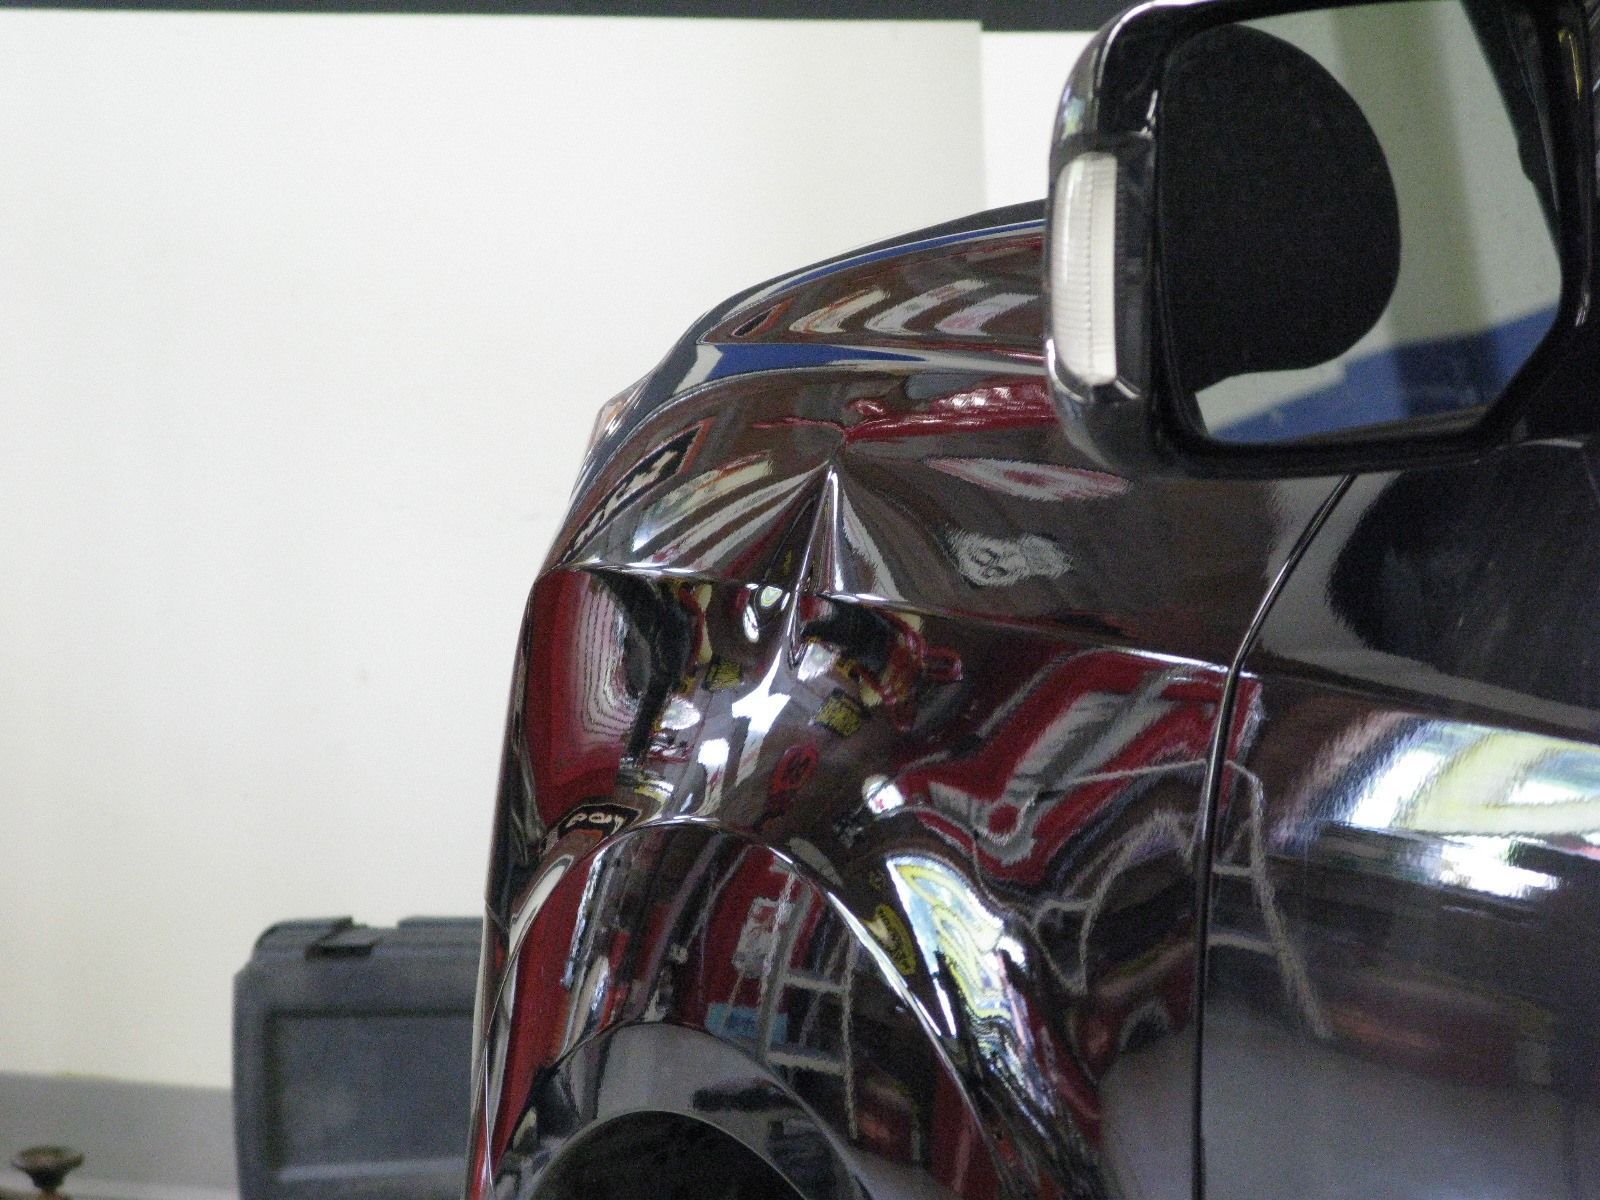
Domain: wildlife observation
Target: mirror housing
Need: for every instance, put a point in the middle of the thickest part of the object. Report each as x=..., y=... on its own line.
x=1113, y=334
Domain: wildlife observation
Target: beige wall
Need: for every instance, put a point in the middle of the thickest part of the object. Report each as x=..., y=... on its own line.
x=303, y=322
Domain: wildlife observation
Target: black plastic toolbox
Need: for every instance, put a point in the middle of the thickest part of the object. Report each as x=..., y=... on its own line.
x=351, y=1060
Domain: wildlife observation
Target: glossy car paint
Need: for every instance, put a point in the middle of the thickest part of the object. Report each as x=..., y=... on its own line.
x=1403, y=983
x=854, y=791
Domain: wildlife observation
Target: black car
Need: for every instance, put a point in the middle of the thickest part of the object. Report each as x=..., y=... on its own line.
x=1102, y=698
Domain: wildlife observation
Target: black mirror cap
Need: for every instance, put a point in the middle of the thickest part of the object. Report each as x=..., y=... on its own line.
x=1138, y=425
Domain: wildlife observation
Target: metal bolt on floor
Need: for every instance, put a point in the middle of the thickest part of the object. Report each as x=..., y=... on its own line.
x=47, y=1167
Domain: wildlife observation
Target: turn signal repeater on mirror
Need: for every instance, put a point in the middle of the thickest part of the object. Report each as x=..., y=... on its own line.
x=1083, y=268
x=1098, y=256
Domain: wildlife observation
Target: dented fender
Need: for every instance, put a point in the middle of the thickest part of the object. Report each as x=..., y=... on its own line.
x=861, y=725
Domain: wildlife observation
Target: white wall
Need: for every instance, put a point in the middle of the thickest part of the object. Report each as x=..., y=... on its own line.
x=1023, y=74
x=303, y=322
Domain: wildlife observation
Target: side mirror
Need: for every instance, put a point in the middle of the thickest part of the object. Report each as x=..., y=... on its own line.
x=1288, y=241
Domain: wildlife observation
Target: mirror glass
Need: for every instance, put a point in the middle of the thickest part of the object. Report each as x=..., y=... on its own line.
x=1355, y=218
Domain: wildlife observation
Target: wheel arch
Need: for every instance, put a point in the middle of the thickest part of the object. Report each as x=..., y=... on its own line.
x=594, y=1035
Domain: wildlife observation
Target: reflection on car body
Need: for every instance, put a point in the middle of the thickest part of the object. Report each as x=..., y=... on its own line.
x=917, y=821
x=896, y=795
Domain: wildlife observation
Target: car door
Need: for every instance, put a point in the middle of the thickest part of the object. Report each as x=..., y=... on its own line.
x=1402, y=982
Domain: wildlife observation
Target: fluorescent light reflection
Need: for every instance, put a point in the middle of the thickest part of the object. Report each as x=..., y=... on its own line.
x=1484, y=794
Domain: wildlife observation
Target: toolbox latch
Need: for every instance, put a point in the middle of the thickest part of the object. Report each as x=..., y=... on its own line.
x=347, y=941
